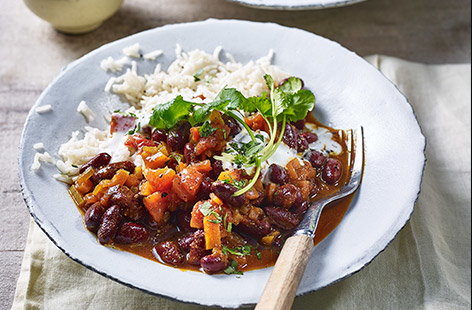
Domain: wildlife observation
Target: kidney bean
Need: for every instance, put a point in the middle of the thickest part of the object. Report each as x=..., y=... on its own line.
x=122, y=196
x=178, y=136
x=189, y=153
x=254, y=228
x=205, y=189
x=282, y=218
x=169, y=252
x=278, y=174
x=164, y=233
x=317, y=159
x=197, y=248
x=109, y=171
x=310, y=137
x=302, y=144
x=217, y=168
x=332, y=171
x=131, y=232
x=185, y=241
x=299, y=124
x=213, y=263
x=183, y=220
x=93, y=216
x=146, y=131
x=300, y=208
x=159, y=135
x=225, y=192
x=290, y=136
x=96, y=162
x=286, y=195
x=109, y=225
x=233, y=125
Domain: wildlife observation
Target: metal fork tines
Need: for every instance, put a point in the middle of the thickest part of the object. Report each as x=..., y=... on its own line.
x=355, y=148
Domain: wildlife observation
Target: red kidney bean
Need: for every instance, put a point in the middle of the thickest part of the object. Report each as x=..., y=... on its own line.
x=122, y=196
x=183, y=220
x=93, y=216
x=302, y=144
x=146, y=131
x=286, y=195
x=300, y=208
x=169, y=252
x=197, y=248
x=205, y=189
x=179, y=136
x=233, y=125
x=290, y=136
x=96, y=162
x=213, y=263
x=217, y=168
x=185, y=241
x=310, y=137
x=317, y=159
x=131, y=232
x=159, y=135
x=299, y=124
x=278, y=174
x=109, y=171
x=189, y=153
x=332, y=171
x=110, y=224
x=282, y=218
x=225, y=192
x=254, y=228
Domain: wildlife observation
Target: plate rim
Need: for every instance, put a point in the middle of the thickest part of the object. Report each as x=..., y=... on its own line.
x=29, y=199
x=300, y=7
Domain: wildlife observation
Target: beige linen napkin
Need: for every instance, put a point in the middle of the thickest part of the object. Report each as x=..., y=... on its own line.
x=426, y=266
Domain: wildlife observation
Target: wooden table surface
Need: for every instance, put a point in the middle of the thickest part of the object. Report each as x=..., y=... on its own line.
x=32, y=54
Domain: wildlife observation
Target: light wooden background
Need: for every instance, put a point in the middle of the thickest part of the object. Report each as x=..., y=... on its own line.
x=32, y=54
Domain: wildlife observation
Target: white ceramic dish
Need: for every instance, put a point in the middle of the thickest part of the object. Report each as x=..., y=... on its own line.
x=295, y=4
x=349, y=93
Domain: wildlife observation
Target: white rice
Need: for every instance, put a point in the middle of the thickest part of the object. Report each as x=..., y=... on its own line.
x=43, y=109
x=84, y=109
x=109, y=64
x=153, y=55
x=41, y=157
x=132, y=51
x=38, y=146
x=144, y=92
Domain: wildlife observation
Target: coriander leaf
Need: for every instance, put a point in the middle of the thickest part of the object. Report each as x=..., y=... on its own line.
x=281, y=101
x=167, y=115
x=261, y=104
x=202, y=113
x=291, y=85
x=234, y=99
x=243, y=250
x=206, y=208
x=299, y=105
x=232, y=268
x=206, y=129
x=269, y=81
x=259, y=255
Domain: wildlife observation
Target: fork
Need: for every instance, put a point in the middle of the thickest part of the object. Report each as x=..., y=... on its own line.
x=282, y=285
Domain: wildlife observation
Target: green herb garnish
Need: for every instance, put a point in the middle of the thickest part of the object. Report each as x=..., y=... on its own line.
x=232, y=268
x=207, y=209
x=284, y=103
x=206, y=129
x=197, y=75
x=136, y=129
x=243, y=250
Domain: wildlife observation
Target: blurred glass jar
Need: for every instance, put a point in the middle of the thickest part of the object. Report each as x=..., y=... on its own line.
x=74, y=16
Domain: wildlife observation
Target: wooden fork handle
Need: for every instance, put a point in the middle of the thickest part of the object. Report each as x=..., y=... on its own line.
x=282, y=285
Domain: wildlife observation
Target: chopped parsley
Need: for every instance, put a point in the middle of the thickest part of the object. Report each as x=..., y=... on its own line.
x=232, y=268
x=136, y=129
x=206, y=129
x=207, y=209
x=197, y=75
x=242, y=250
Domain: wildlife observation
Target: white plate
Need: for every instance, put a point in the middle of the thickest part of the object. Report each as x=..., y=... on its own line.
x=349, y=93
x=295, y=4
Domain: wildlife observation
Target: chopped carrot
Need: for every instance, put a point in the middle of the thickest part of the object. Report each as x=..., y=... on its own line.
x=84, y=187
x=119, y=178
x=212, y=232
x=230, y=176
x=160, y=179
x=202, y=166
x=132, y=180
x=187, y=183
x=215, y=199
x=146, y=189
x=196, y=220
x=157, y=204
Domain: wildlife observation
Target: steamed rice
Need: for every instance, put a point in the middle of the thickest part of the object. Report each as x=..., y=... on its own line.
x=191, y=75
